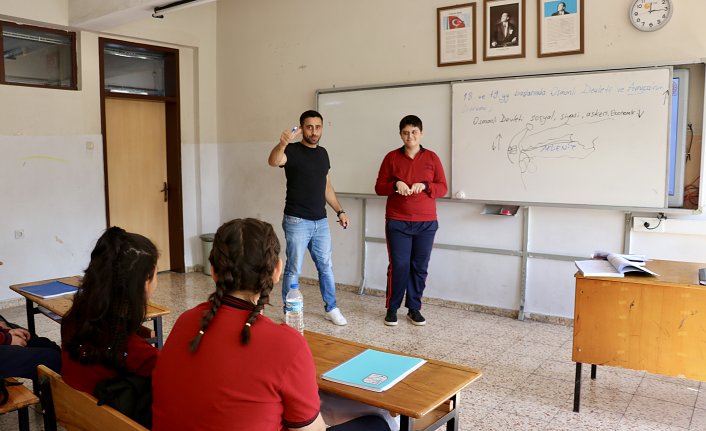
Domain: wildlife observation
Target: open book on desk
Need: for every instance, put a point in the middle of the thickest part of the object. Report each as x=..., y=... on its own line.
x=631, y=257
x=373, y=370
x=613, y=265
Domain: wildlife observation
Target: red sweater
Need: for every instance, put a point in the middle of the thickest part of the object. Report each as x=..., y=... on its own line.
x=426, y=168
x=141, y=359
x=267, y=385
x=5, y=336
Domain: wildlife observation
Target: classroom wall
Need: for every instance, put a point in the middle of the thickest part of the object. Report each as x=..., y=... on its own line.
x=40, y=11
x=248, y=69
x=46, y=133
x=267, y=75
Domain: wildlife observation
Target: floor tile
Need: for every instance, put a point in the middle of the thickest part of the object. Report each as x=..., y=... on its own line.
x=659, y=411
x=667, y=390
x=528, y=374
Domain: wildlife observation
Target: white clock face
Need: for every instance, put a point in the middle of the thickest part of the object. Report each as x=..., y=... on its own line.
x=650, y=15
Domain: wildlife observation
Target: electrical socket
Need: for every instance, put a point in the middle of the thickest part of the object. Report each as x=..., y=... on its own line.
x=20, y=234
x=648, y=224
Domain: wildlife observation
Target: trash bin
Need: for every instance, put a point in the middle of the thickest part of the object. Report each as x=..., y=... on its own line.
x=207, y=243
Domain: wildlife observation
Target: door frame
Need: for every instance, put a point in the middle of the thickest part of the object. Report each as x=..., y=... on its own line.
x=173, y=135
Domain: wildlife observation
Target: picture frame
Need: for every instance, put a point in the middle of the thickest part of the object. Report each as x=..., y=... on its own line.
x=503, y=29
x=559, y=27
x=456, y=35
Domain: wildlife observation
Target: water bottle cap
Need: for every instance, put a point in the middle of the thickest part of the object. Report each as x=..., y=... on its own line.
x=294, y=286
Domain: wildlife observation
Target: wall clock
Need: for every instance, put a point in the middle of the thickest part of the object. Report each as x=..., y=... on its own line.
x=650, y=15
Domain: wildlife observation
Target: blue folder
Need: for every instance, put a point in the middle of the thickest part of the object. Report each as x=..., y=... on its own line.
x=50, y=290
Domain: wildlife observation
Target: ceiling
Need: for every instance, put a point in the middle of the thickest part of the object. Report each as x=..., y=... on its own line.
x=99, y=15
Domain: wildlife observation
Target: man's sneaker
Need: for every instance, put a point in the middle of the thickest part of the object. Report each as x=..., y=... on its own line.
x=391, y=318
x=336, y=317
x=416, y=318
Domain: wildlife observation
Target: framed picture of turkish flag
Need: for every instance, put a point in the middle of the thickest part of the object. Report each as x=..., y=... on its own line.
x=456, y=35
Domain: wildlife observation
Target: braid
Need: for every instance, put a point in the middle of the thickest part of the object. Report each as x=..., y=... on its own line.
x=244, y=255
x=224, y=283
x=245, y=333
x=269, y=259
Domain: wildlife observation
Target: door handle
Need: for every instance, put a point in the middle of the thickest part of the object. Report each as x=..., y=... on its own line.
x=165, y=190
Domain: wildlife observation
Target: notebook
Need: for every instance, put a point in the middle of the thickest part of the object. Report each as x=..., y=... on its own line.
x=50, y=290
x=373, y=370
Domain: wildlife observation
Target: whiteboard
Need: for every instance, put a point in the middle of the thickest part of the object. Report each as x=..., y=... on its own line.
x=596, y=138
x=362, y=126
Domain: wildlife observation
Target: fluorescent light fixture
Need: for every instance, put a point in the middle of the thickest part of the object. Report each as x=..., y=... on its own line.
x=159, y=11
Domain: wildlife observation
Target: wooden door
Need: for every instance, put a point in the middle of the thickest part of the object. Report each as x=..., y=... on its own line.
x=136, y=154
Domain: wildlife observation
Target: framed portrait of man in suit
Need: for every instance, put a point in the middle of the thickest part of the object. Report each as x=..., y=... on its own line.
x=503, y=29
x=559, y=27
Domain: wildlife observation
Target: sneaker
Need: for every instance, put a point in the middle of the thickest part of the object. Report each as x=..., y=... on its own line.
x=391, y=318
x=416, y=318
x=336, y=317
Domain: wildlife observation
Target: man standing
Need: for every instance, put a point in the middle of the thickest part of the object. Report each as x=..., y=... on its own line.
x=309, y=189
x=411, y=177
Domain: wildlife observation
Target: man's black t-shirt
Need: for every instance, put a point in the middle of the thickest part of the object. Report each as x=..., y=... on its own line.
x=306, y=171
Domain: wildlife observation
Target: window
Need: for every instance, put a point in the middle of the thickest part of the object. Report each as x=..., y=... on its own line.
x=38, y=56
x=133, y=70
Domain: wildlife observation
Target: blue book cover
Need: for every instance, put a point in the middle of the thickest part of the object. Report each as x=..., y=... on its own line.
x=373, y=370
x=50, y=290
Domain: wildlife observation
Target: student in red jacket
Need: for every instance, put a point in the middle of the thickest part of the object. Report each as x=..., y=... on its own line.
x=99, y=333
x=21, y=352
x=412, y=178
x=225, y=366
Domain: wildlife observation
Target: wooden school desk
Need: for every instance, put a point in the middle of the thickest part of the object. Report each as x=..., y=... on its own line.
x=55, y=308
x=425, y=400
x=655, y=324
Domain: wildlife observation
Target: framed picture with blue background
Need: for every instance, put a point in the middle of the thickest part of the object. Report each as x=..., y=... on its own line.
x=559, y=27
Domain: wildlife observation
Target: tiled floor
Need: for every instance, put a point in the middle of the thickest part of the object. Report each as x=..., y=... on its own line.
x=527, y=381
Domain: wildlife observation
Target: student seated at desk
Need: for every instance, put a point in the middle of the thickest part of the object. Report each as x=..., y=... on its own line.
x=225, y=365
x=99, y=332
x=21, y=352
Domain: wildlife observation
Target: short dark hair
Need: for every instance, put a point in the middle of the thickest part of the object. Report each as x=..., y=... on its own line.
x=411, y=120
x=561, y=2
x=309, y=114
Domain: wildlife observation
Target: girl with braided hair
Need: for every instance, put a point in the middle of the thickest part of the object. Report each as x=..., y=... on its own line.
x=241, y=371
x=99, y=332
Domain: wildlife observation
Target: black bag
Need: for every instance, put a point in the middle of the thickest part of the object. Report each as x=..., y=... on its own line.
x=129, y=394
x=4, y=394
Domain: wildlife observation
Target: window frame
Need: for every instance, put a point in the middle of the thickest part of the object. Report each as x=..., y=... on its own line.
x=64, y=33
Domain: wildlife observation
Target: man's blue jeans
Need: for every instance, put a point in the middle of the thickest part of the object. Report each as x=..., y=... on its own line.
x=302, y=234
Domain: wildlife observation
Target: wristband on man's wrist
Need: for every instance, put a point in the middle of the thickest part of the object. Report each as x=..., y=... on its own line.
x=338, y=213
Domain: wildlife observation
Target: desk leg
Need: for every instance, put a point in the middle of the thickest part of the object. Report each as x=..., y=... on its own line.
x=406, y=424
x=158, y=331
x=30, y=316
x=47, y=401
x=577, y=388
x=23, y=417
x=593, y=371
x=452, y=424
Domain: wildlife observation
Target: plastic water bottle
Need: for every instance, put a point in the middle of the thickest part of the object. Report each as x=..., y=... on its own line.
x=294, y=308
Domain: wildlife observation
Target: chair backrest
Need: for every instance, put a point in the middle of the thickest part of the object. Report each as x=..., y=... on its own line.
x=77, y=410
